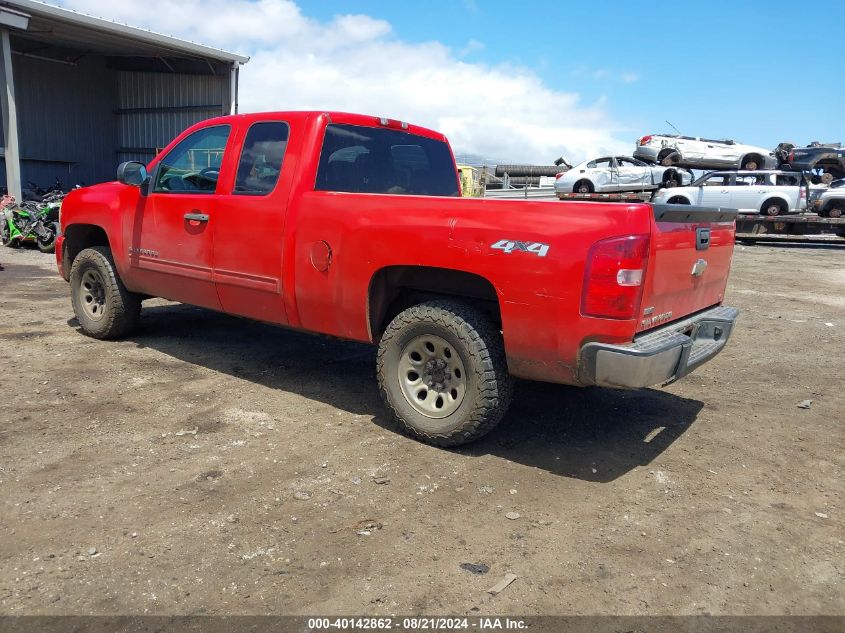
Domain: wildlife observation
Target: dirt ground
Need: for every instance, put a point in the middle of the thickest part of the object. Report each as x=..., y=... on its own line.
x=717, y=494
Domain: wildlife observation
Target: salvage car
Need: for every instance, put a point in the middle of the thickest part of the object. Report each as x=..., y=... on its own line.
x=769, y=192
x=365, y=237
x=618, y=173
x=830, y=202
x=826, y=159
x=701, y=153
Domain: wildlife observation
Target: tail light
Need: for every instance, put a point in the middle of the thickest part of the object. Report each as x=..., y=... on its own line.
x=644, y=140
x=613, y=280
x=558, y=175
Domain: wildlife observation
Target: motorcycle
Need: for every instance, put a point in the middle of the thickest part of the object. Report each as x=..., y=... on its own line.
x=31, y=222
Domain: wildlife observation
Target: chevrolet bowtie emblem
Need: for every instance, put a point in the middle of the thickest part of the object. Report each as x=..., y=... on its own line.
x=699, y=267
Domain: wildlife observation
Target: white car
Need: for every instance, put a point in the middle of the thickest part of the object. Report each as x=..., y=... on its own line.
x=618, y=173
x=769, y=192
x=703, y=153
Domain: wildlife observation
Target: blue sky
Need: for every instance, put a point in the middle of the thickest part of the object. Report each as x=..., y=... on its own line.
x=752, y=71
x=530, y=81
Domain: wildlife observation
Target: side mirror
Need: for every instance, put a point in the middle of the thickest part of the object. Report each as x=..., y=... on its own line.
x=132, y=173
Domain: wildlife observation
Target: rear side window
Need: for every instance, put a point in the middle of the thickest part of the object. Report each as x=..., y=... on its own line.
x=261, y=158
x=360, y=159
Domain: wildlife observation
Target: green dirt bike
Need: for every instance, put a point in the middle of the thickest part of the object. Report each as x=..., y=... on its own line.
x=31, y=222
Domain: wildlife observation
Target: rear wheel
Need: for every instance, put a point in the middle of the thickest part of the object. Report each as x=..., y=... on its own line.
x=671, y=179
x=583, y=186
x=668, y=157
x=442, y=372
x=773, y=208
x=48, y=243
x=103, y=306
x=752, y=162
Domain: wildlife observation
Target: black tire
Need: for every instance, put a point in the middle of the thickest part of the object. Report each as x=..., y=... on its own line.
x=773, y=207
x=671, y=179
x=5, y=232
x=834, y=211
x=583, y=186
x=105, y=309
x=668, y=157
x=487, y=387
x=48, y=245
x=677, y=200
x=752, y=162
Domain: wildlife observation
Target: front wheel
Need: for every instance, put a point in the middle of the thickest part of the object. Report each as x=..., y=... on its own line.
x=103, y=306
x=442, y=373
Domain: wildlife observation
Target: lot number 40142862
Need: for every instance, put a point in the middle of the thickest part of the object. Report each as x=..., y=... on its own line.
x=511, y=246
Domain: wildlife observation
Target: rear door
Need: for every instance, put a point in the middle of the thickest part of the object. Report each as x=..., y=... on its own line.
x=250, y=220
x=689, y=262
x=171, y=245
x=748, y=192
x=604, y=175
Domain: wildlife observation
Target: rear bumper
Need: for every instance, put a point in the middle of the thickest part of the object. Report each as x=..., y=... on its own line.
x=659, y=356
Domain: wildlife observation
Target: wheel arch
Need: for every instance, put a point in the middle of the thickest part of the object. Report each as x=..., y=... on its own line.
x=78, y=237
x=395, y=288
x=778, y=197
x=761, y=163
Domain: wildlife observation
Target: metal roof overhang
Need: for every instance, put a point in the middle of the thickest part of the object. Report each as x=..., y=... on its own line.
x=54, y=31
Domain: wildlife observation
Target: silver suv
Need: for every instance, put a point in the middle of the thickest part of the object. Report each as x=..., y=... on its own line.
x=770, y=192
x=830, y=203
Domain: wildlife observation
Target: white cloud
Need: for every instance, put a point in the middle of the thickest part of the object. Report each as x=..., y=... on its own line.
x=356, y=63
x=629, y=78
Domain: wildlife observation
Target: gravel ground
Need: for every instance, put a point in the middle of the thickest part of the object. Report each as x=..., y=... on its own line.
x=214, y=465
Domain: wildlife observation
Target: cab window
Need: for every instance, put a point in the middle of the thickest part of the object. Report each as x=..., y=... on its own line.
x=261, y=158
x=193, y=166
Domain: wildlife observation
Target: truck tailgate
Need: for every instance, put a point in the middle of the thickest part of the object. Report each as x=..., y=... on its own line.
x=689, y=262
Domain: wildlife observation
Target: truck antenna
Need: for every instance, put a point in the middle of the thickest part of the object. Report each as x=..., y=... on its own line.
x=674, y=128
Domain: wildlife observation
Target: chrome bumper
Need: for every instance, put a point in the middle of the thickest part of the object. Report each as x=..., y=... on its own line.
x=660, y=356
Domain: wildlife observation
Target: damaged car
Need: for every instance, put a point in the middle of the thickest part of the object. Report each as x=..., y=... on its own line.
x=619, y=173
x=825, y=160
x=702, y=153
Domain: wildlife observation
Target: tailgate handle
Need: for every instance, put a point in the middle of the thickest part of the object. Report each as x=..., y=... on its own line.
x=702, y=239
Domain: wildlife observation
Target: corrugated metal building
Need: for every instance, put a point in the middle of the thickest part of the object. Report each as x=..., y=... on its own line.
x=82, y=94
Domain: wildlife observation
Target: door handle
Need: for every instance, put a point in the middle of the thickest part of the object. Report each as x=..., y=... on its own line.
x=196, y=216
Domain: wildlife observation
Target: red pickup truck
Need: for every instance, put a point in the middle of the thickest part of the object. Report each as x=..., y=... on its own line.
x=353, y=226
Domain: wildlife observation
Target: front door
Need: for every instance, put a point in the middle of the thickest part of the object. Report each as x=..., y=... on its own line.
x=171, y=246
x=715, y=191
x=633, y=175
